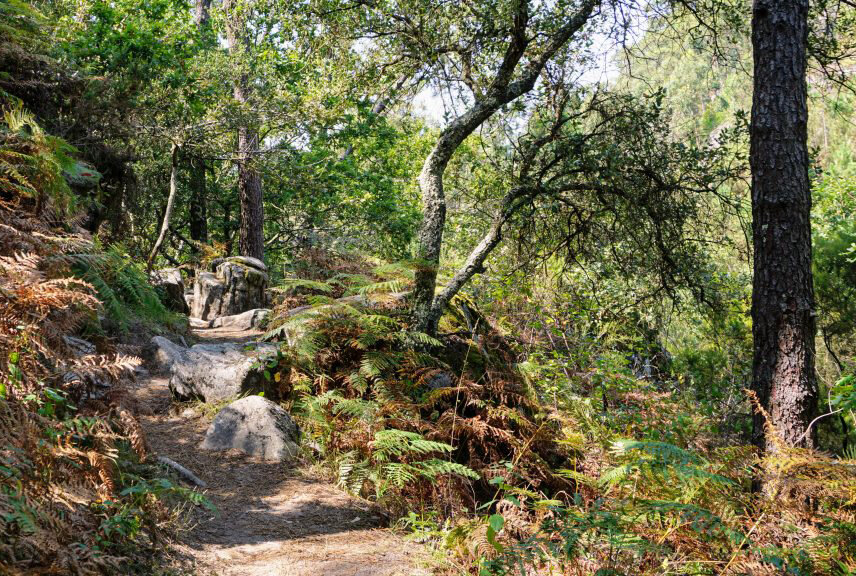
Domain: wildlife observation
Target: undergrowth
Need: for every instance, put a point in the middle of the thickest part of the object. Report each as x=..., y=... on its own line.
x=405, y=418
x=523, y=468
x=77, y=493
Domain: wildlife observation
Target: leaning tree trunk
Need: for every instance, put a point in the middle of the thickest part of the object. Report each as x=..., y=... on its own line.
x=170, y=203
x=783, y=323
x=251, y=237
x=427, y=308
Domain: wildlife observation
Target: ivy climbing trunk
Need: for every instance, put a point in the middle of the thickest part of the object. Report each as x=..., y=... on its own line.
x=783, y=323
x=251, y=230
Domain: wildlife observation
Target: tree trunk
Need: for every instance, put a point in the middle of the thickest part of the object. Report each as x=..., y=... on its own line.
x=198, y=204
x=251, y=237
x=783, y=323
x=198, y=192
x=201, y=11
x=227, y=228
x=170, y=203
x=251, y=240
x=426, y=310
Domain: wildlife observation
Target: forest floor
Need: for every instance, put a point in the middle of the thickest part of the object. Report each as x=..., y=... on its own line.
x=271, y=519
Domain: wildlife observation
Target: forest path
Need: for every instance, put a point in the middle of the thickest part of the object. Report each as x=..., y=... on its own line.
x=271, y=519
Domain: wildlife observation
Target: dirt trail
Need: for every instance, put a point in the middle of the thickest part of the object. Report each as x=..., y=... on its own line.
x=272, y=519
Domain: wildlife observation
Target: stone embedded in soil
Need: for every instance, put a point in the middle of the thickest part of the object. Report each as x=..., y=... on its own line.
x=256, y=426
x=198, y=323
x=212, y=372
x=163, y=353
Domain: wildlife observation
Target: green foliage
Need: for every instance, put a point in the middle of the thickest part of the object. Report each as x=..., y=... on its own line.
x=123, y=288
x=835, y=254
x=398, y=458
x=32, y=162
x=582, y=407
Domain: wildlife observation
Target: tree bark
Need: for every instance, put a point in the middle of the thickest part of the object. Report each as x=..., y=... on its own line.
x=198, y=192
x=201, y=12
x=170, y=203
x=198, y=204
x=783, y=317
x=251, y=236
x=426, y=308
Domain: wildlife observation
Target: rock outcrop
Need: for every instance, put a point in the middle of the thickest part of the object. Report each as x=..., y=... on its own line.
x=237, y=284
x=170, y=286
x=244, y=321
x=212, y=372
x=256, y=426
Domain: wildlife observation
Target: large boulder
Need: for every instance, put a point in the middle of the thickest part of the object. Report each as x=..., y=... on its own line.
x=212, y=372
x=207, y=296
x=215, y=372
x=237, y=284
x=256, y=426
x=170, y=287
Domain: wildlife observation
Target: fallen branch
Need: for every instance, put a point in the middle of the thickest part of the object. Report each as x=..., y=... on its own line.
x=182, y=471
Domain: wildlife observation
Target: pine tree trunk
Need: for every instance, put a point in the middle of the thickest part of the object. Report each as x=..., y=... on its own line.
x=198, y=203
x=251, y=236
x=198, y=192
x=783, y=323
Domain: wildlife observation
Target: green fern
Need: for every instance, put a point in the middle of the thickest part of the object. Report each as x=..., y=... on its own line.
x=398, y=443
x=662, y=463
x=291, y=284
x=398, y=459
x=122, y=287
x=32, y=162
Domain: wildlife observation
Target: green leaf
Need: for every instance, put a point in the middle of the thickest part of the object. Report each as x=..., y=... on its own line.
x=496, y=522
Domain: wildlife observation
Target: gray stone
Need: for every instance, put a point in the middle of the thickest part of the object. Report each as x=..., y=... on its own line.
x=244, y=287
x=207, y=296
x=170, y=285
x=198, y=323
x=256, y=426
x=213, y=372
x=238, y=284
x=163, y=353
x=248, y=261
x=243, y=321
